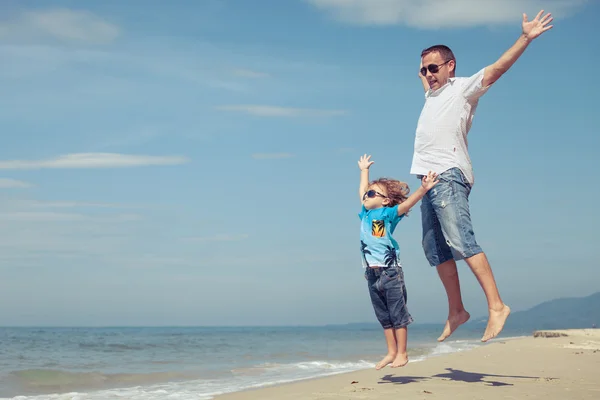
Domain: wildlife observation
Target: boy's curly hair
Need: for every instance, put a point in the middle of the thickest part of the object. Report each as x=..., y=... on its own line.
x=397, y=191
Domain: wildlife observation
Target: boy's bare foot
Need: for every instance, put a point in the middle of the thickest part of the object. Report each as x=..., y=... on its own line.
x=453, y=322
x=400, y=361
x=385, y=361
x=495, y=323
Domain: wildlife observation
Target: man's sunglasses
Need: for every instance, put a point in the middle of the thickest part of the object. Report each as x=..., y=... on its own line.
x=433, y=68
x=372, y=193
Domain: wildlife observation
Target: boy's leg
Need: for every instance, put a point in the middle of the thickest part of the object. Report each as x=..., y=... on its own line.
x=439, y=255
x=401, y=338
x=391, y=283
x=381, y=312
x=451, y=204
x=392, y=349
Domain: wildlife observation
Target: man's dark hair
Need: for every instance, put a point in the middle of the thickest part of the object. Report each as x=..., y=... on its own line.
x=444, y=51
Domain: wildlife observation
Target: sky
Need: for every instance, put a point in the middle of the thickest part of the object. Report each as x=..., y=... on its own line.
x=195, y=162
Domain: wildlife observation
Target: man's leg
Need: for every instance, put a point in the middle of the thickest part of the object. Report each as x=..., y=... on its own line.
x=457, y=315
x=451, y=205
x=438, y=254
x=498, y=311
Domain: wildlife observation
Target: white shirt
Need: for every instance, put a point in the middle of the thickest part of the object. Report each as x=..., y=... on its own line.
x=441, y=137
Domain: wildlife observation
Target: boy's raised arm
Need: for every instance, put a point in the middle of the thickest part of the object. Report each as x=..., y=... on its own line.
x=364, y=163
x=427, y=183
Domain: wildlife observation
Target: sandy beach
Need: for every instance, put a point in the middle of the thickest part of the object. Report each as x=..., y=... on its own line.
x=549, y=365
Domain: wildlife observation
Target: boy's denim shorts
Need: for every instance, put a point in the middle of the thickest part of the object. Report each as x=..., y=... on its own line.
x=446, y=219
x=388, y=296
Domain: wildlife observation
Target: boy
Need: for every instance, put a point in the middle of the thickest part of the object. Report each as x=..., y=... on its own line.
x=384, y=204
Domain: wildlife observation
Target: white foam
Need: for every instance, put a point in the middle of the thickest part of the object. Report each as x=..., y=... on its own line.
x=269, y=374
x=266, y=374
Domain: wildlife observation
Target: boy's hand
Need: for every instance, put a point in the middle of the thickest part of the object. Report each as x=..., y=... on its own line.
x=365, y=162
x=430, y=180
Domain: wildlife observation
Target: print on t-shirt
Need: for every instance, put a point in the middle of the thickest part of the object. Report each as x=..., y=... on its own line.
x=378, y=228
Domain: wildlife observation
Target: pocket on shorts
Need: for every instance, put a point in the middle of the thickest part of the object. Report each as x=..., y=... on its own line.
x=391, y=272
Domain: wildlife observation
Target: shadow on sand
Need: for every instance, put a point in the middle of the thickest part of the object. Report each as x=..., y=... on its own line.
x=403, y=380
x=456, y=375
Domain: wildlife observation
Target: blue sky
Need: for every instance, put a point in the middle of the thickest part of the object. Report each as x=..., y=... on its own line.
x=194, y=163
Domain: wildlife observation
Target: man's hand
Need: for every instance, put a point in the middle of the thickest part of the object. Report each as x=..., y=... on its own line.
x=365, y=162
x=423, y=79
x=533, y=29
x=429, y=181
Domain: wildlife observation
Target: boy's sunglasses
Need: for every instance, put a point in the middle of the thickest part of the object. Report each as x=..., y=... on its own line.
x=433, y=68
x=372, y=193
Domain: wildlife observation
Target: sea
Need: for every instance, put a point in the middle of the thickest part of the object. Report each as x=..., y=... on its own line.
x=147, y=363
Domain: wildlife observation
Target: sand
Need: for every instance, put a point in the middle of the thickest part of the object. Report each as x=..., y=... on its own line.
x=548, y=365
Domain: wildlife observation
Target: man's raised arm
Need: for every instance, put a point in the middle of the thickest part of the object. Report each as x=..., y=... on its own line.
x=423, y=79
x=531, y=30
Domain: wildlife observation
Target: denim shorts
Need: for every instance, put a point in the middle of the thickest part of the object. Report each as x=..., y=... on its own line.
x=388, y=296
x=446, y=219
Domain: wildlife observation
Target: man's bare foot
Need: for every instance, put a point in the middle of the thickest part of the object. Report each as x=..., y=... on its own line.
x=453, y=322
x=400, y=361
x=385, y=361
x=495, y=323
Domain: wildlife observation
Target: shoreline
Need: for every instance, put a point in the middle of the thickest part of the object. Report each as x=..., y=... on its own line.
x=415, y=359
x=537, y=363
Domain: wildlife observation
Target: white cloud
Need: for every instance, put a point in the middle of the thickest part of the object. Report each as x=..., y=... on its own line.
x=73, y=204
x=7, y=183
x=26, y=216
x=63, y=24
x=273, y=111
x=50, y=216
x=271, y=156
x=218, y=238
x=434, y=14
x=246, y=73
x=94, y=160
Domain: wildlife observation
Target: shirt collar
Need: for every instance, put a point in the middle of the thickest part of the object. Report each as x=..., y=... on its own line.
x=430, y=92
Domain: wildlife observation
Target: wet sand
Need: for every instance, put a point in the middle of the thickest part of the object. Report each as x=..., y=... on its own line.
x=548, y=365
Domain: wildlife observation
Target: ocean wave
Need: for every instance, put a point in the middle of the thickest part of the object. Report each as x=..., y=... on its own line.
x=119, y=347
x=266, y=374
x=155, y=386
x=54, y=380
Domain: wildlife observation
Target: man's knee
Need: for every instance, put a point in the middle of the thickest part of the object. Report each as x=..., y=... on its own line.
x=457, y=228
x=436, y=252
x=464, y=247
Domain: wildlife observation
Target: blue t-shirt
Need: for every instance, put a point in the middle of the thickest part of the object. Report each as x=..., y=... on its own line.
x=378, y=247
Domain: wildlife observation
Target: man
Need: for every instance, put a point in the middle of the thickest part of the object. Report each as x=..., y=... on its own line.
x=441, y=146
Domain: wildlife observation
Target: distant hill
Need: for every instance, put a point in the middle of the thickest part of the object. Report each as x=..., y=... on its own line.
x=565, y=313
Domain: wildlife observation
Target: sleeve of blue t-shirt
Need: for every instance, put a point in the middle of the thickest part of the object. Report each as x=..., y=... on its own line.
x=362, y=212
x=391, y=213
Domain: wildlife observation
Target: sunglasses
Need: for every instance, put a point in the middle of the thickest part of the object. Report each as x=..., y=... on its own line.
x=433, y=68
x=372, y=193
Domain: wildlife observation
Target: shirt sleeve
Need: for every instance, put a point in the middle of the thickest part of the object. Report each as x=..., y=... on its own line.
x=472, y=87
x=392, y=214
x=362, y=212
